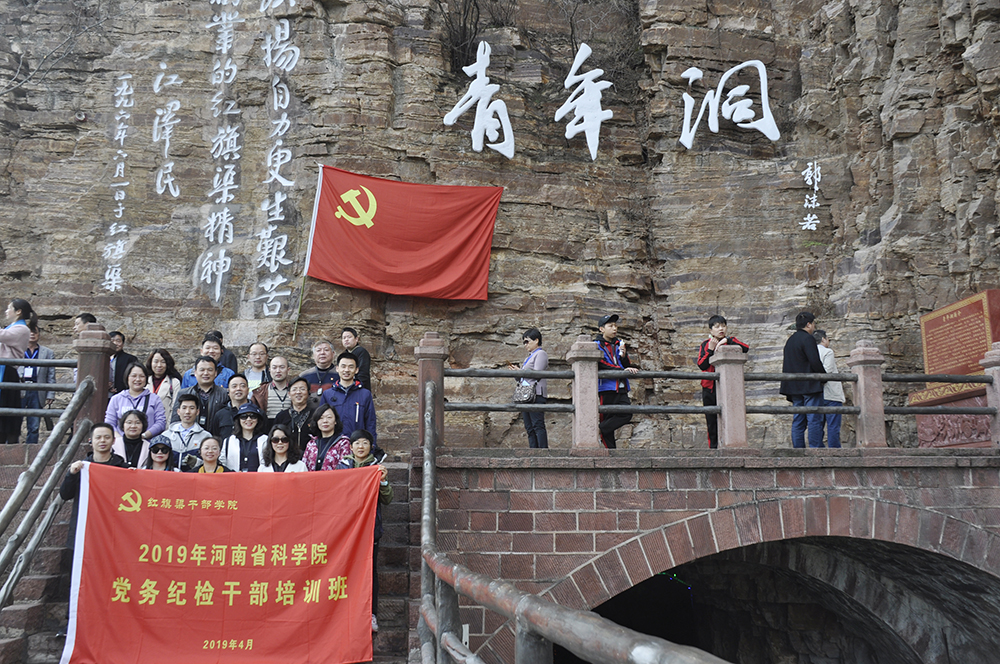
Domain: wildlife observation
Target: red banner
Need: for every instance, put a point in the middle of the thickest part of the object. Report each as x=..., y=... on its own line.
x=402, y=238
x=234, y=567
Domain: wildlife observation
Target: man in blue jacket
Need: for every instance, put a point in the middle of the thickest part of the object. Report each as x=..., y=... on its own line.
x=612, y=391
x=352, y=402
x=802, y=356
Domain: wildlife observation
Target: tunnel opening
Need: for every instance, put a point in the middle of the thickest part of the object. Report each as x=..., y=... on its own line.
x=824, y=600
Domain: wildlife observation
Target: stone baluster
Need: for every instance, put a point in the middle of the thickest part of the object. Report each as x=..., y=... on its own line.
x=583, y=355
x=729, y=362
x=866, y=362
x=991, y=365
x=431, y=354
x=93, y=349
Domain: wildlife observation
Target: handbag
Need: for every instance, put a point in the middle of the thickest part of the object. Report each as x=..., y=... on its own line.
x=524, y=393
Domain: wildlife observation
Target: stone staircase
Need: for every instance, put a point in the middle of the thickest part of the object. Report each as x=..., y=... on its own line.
x=32, y=628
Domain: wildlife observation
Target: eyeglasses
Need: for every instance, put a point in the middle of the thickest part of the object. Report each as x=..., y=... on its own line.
x=279, y=440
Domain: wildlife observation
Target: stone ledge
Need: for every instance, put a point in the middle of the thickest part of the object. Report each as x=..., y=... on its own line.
x=717, y=460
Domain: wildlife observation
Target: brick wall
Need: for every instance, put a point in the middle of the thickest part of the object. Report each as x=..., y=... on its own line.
x=582, y=529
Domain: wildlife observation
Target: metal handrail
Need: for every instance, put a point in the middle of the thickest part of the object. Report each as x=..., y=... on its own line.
x=28, y=478
x=538, y=622
x=15, y=540
x=29, y=362
x=26, y=482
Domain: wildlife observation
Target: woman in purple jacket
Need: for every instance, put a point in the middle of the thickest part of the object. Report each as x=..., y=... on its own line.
x=137, y=397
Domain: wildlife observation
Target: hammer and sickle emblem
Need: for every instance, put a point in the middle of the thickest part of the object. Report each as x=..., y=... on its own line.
x=364, y=217
x=134, y=502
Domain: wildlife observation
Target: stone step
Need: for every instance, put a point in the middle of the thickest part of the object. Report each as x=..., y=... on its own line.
x=45, y=647
x=13, y=650
x=40, y=587
x=52, y=560
x=24, y=618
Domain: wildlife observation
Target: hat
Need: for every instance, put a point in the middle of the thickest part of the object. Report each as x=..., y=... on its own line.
x=248, y=408
x=610, y=318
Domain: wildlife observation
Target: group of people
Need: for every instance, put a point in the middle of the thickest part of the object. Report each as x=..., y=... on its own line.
x=216, y=417
x=807, y=351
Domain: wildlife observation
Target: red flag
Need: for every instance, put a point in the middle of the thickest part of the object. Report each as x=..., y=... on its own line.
x=402, y=238
x=235, y=567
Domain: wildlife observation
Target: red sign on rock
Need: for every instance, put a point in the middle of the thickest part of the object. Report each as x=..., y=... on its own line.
x=236, y=567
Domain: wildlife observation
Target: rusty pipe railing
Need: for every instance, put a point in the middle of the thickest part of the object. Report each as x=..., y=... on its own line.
x=538, y=622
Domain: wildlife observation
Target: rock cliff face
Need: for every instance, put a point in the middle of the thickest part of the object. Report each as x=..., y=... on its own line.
x=895, y=102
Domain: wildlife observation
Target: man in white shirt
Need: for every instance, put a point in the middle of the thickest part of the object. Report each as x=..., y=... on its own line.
x=185, y=435
x=833, y=391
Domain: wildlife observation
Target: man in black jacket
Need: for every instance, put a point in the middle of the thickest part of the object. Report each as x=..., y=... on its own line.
x=802, y=356
x=119, y=362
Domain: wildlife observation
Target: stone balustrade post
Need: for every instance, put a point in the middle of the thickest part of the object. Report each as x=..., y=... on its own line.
x=729, y=361
x=583, y=355
x=93, y=349
x=866, y=363
x=431, y=354
x=991, y=365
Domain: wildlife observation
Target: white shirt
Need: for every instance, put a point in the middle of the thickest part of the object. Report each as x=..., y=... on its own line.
x=832, y=390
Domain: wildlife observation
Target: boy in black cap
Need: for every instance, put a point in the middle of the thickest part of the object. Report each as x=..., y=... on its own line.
x=612, y=391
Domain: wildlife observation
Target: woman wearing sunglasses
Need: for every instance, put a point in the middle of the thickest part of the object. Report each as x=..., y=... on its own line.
x=281, y=453
x=161, y=457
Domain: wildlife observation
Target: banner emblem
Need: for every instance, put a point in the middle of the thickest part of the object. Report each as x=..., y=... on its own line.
x=364, y=217
x=134, y=502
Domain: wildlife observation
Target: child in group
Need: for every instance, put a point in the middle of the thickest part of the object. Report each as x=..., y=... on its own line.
x=361, y=456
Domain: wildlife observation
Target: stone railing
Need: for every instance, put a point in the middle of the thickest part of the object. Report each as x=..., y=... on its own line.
x=865, y=362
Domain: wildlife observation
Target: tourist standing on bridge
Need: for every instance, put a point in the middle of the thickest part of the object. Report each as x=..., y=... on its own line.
x=537, y=360
x=717, y=328
x=13, y=343
x=802, y=356
x=833, y=390
x=612, y=391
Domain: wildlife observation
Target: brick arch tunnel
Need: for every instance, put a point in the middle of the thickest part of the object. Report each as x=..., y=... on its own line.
x=821, y=580
x=835, y=600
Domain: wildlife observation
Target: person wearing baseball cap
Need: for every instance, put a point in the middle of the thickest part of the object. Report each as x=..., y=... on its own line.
x=612, y=391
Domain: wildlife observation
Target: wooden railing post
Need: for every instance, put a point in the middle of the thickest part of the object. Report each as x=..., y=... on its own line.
x=991, y=364
x=866, y=362
x=729, y=361
x=584, y=355
x=431, y=354
x=93, y=349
